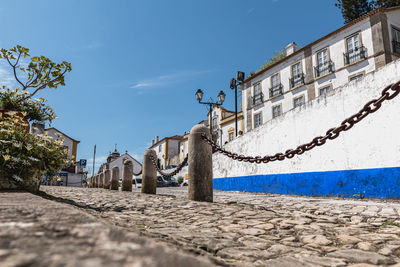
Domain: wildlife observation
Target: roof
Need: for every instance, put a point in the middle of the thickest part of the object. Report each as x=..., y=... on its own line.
x=351, y=23
x=221, y=107
x=175, y=137
x=232, y=117
x=126, y=154
x=52, y=128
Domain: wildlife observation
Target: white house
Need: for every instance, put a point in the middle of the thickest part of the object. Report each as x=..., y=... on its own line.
x=115, y=159
x=167, y=150
x=346, y=54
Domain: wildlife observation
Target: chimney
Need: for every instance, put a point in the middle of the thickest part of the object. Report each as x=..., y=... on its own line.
x=157, y=139
x=152, y=142
x=290, y=48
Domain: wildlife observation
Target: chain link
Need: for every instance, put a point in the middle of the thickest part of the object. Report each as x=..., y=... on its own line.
x=372, y=106
x=167, y=175
x=137, y=174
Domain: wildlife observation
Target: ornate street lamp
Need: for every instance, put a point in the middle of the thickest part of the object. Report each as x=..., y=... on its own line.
x=211, y=104
x=233, y=85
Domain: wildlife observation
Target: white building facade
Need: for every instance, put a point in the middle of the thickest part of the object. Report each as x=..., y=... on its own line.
x=358, y=48
x=167, y=150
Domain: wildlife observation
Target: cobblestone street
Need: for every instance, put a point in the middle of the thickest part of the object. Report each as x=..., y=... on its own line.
x=253, y=229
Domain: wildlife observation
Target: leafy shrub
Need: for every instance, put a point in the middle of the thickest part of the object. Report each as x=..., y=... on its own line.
x=36, y=109
x=25, y=157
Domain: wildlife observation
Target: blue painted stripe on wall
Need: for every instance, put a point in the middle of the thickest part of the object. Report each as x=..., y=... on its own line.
x=383, y=183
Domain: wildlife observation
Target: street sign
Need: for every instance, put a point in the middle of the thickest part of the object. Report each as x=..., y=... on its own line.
x=82, y=162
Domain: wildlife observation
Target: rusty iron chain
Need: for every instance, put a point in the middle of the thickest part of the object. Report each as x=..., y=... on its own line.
x=372, y=106
x=167, y=175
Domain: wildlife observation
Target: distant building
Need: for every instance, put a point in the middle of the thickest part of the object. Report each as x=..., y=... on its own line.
x=69, y=143
x=73, y=174
x=167, y=150
x=114, y=159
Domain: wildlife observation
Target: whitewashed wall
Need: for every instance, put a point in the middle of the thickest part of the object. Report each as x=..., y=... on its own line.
x=373, y=143
x=119, y=162
x=67, y=141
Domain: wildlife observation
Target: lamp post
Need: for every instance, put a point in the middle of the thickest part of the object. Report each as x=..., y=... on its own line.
x=221, y=98
x=233, y=85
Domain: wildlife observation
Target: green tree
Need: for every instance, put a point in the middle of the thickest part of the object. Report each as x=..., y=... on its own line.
x=40, y=72
x=352, y=9
x=278, y=55
x=24, y=156
x=386, y=3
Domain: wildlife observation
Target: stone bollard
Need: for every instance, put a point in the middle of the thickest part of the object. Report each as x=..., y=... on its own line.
x=90, y=183
x=200, y=165
x=127, y=174
x=107, y=179
x=101, y=180
x=149, y=174
x=114, y=178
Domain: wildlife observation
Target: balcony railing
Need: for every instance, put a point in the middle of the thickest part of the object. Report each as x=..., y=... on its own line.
x=354, y=55
x=276, y=90
x=323, y=69
x=258, y=98
x=396, y=47
x=297, y=80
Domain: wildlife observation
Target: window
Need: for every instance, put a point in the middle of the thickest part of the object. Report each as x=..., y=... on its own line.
x=276, y=88
x=297, y=75
x=356, y=77
x=324, y=65
x=159, y=148
x=396, y=40
x=354, y=51
x=258, y=96
x=257, y=120
x=276, y=111
x=325, y=90
x=230, y=137
x=275, y=80
x=298, y=101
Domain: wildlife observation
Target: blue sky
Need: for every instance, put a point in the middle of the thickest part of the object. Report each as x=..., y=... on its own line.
x=137, y=64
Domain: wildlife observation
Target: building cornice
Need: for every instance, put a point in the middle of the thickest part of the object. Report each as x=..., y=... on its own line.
x=353, y=22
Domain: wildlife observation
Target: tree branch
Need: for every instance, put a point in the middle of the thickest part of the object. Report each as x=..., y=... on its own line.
x=15, y=74
x=44, y=85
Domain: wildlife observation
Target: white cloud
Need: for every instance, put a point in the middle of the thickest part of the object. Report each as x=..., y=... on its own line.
x=168, y=79
x=6, y=77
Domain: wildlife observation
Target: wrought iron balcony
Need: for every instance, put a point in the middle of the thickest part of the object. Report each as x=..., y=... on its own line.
x=297, y=80
x=276, y=90
x=396, y=47
x=354, y=55
x=258, y=98
x=323, y=69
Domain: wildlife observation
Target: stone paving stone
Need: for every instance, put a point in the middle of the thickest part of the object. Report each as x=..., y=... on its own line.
x=242, y=229
x=39, y=232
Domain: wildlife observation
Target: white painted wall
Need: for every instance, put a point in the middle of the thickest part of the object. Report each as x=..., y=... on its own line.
x=373, y=143
x=67, y=141
x=183, y=149
x=119, y=162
